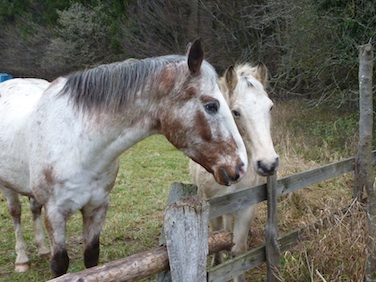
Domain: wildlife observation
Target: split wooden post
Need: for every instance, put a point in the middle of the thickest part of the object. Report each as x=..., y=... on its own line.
x=186, y=232
x=177, y=191
x=271, y=246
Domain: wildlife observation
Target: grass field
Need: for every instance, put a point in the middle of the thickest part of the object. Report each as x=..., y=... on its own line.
x=304, y=138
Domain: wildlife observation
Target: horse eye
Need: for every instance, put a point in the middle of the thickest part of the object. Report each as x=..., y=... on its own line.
x=212, y=107
x=235, y=113
x=271, y=108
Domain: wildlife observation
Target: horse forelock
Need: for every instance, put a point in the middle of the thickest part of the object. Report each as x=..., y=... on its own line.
x=114, y=86
x=245, y=69
x=247, y=75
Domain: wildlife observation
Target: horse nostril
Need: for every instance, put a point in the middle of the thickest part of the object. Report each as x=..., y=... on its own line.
x=225, y=177
x=259, y=164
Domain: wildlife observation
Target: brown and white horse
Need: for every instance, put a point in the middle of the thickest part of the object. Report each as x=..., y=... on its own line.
x=61, y=147
x=243, y=88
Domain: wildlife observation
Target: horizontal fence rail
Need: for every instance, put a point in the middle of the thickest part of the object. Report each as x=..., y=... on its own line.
x=230, y=203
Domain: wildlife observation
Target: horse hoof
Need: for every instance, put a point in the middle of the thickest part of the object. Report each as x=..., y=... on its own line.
x=21, y=267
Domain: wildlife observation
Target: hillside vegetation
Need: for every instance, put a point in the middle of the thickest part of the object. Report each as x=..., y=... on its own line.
x=310, y=47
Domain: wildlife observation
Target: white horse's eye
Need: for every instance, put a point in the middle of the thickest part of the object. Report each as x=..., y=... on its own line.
x=236, y=113
x=212, y=107
x=271, y=108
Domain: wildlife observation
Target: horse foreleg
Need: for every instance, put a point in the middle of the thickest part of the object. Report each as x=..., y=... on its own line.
x=242, y=222
x=14, y=207
x=93, y=219
x=40, y=242
x=56, y=225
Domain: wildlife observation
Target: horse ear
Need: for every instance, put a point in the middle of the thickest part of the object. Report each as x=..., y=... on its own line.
x=262, y=73
x=195, y=56
x=231, y=78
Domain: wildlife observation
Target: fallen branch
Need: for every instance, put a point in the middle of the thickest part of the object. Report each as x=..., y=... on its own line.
x=140, y=265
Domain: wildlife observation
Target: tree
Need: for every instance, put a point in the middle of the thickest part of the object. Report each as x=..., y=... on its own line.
x=82, y=39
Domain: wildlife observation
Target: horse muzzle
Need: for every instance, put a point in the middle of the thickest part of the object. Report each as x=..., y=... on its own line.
x=264, y=168
x=226, y=175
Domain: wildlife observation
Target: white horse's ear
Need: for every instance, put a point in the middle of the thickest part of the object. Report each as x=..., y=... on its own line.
x=195, y=56
x=231, y=78
x=262, y=73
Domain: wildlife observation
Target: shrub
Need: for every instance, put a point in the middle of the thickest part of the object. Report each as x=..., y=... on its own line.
x=82, y=39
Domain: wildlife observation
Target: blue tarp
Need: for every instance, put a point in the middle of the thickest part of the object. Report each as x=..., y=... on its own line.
x=5, y=76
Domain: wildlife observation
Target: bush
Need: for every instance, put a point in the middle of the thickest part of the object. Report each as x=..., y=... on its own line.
x=82, y=39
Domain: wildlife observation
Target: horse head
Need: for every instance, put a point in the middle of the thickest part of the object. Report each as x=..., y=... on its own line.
x=244, y=89
x=197, y=120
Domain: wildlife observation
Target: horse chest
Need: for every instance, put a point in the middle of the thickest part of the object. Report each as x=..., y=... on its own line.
x=80, y=192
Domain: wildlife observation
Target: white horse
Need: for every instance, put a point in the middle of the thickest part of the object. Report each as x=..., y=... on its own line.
x=61, y=148
x=243, y=88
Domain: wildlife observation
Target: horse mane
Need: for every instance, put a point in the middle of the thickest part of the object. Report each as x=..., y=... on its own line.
x=113, y=86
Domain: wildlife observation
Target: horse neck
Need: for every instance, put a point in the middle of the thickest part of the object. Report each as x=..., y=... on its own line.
x=125, y=131
x=115, y=133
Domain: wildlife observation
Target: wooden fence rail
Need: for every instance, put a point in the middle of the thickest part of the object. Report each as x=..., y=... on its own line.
x=230, y=203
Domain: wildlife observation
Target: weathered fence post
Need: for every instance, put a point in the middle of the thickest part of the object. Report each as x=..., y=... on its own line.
x=271, y=245
x=363, y=176
x=363, y=159
x=177, y=192
x=186, y=231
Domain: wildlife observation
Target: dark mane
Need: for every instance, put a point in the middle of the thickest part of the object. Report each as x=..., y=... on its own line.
x=111, y=86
